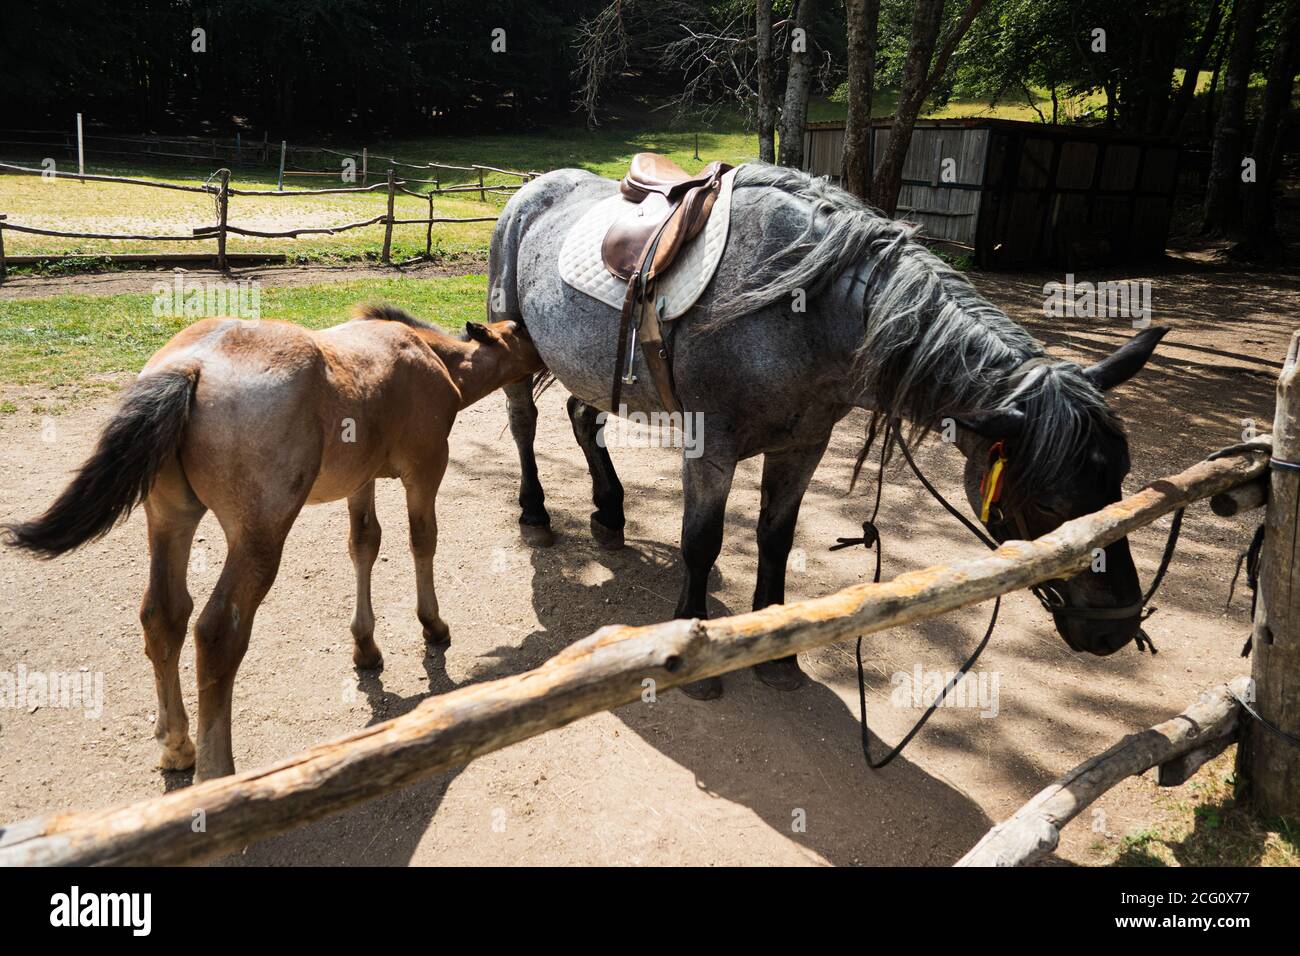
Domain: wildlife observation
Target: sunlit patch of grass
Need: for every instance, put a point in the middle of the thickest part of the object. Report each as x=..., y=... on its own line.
x=73, y=338
x=1206, y=823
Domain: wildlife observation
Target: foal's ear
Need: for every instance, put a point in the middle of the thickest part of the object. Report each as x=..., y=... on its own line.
x=993, y=423
x=1126, y=361
x=479, y=332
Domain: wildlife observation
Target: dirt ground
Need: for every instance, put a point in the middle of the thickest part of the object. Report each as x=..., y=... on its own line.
x=117, y=282
x=759, y=777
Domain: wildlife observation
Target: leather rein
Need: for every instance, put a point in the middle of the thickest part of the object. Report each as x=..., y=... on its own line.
x=1047, y=594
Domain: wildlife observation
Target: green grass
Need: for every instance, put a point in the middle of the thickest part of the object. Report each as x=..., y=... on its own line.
x=1206, y=823
x=90, y=340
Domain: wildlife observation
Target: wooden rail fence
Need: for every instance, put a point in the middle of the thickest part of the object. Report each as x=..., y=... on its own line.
x=605, y=670
x=222, y=191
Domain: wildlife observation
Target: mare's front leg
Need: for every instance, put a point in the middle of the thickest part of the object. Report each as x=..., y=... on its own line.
x=786, y=476
x=606, y=490
x=706, y=483
x=421, y=497
x=363, y=546
x=534, y=521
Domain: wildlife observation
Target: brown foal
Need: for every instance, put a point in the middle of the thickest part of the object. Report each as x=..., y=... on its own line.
x=253, y=420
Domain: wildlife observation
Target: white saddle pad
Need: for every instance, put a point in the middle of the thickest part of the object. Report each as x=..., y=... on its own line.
x=582, y=267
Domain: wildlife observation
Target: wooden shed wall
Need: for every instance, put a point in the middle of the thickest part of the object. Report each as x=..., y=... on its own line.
x=947, y=210
x=1051, y=200
x=1027, y=194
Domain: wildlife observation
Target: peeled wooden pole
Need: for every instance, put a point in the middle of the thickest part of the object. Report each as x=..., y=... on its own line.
x=1203, y=730
x=1235, y=501
x=1269, y=765
x=602, y=671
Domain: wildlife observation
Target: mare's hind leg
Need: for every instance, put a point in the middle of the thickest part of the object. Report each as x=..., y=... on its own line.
x=363, y=546
x=786, y=476
x=421, y=496
x=173, y=514
x=606, y=490
x=534, y=521
x=222, y=633
x=706, y=482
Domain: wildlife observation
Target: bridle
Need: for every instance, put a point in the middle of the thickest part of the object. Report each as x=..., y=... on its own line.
x=1048, y=594
x=991, y=490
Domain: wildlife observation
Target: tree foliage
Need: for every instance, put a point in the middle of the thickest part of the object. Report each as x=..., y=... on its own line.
x=322, y=64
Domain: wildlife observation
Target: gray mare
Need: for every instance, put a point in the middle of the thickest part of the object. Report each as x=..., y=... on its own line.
x=819, y=305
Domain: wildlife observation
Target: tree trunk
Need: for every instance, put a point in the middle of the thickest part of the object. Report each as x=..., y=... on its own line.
x=1187, y=92
x=855, y=165
x=1222, y=197
x=919, y=78
x=888, y=181
x=1261, y=234
x=766, y=95
x=794, y=114
x=1169, y=24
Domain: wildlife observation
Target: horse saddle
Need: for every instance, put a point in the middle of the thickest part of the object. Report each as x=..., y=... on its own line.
x=667, y=208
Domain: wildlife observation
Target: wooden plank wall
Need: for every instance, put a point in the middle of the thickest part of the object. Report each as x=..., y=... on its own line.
x=1022, y=197
x=944, y=211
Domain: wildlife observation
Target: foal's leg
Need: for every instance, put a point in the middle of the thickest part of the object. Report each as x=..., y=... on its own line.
x=786, y=476
x=421, y=495
x=173, y=514
x=363, y=546
x=534, y=521
x=606, y=490
x=706, y=483
x=222, y=633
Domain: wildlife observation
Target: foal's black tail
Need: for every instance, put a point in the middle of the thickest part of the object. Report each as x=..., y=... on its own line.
x=144, y=433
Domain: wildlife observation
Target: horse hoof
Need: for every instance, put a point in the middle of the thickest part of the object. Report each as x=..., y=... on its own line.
x=371, y=660
x=708, y=689
x=611, y=539
x=783, y=674
x=438, y=636
x=537, y=535
x=181, y=758
x=204, y=774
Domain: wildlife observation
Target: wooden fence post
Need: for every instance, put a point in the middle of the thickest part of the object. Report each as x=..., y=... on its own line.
x=223, y=209
x=482, y=197
x=2, y=249
x=81, y=149
x=279, y=185
x=388, y=223
x=428, y=238
x=1271, y=766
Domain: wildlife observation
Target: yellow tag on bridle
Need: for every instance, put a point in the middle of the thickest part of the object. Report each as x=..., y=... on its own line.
x=992, y=483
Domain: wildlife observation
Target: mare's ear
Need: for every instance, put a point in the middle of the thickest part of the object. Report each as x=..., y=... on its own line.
x=993, y=423
x=479, y=332
x=1126, y=361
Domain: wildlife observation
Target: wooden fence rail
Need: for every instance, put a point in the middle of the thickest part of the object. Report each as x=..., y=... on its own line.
x=604, y=670
x=235, y=150
x=222, y=191
x=1202, y=731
